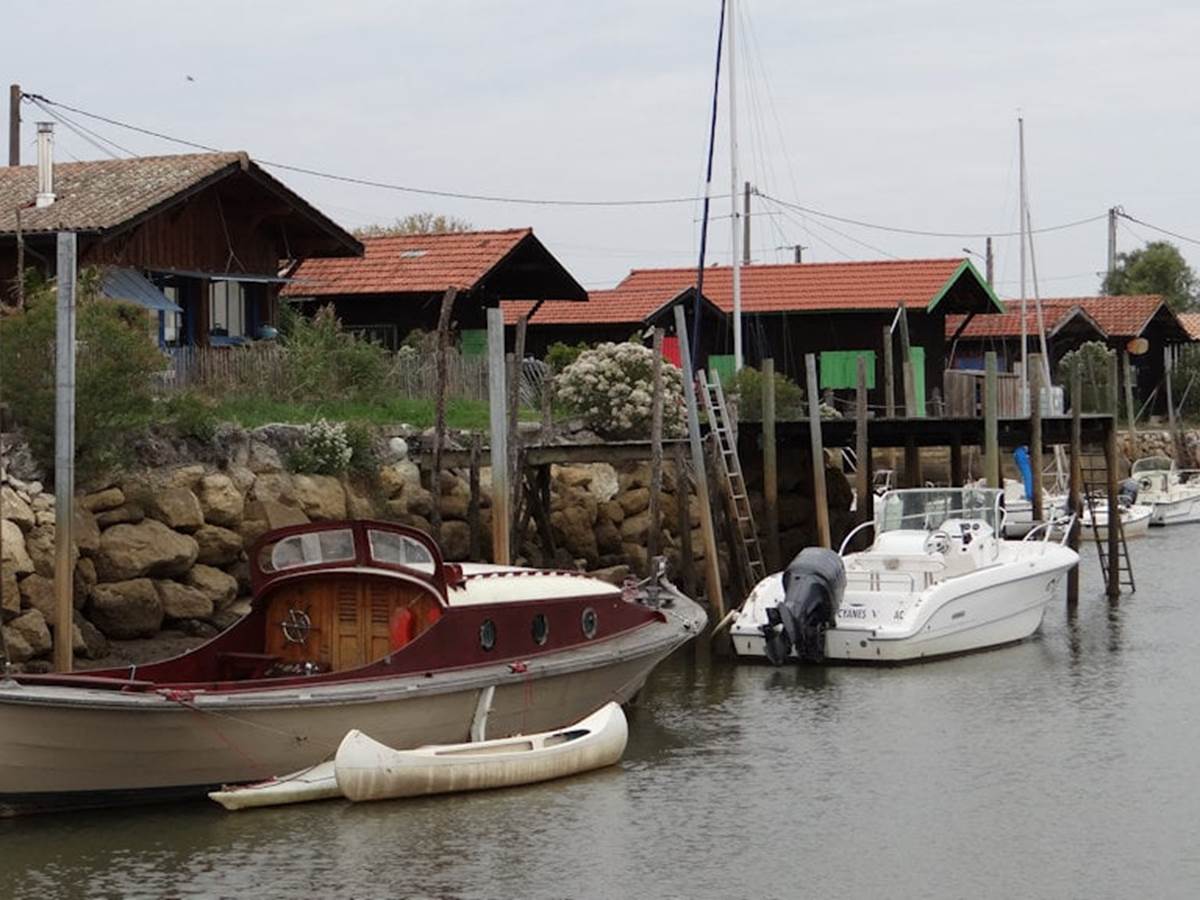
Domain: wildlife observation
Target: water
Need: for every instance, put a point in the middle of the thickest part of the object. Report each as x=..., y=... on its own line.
x=1063, y=767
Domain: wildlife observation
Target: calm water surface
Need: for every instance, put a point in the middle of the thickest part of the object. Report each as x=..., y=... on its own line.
x=1063, y=767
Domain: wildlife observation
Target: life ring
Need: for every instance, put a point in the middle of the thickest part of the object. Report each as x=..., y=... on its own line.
x=402, y=628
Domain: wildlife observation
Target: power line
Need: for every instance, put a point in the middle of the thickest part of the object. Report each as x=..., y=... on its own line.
x=922, y=233
x=1174, y=234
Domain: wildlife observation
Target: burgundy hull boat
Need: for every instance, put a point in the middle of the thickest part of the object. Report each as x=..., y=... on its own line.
x=354, y=625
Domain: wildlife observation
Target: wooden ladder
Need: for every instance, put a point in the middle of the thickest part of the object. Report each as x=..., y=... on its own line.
x=733, y=485
x=1095, y=488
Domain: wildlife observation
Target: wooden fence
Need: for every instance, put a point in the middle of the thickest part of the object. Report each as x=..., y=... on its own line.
x=964, y=393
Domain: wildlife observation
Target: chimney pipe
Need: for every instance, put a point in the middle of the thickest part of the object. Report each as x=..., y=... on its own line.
x=45, y=164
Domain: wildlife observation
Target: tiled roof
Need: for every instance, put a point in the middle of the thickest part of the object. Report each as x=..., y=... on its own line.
x=616, y=306
x=410, y=263
x=1190, y=321
x=99, y=195
x=1117, y=317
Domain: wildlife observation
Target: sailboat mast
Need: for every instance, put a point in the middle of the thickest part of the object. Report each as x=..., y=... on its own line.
x=735, y=226
x=1024, y=368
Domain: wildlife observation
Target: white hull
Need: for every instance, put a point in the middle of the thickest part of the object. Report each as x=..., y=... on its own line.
x=1135, y=522
x=1176, y=512
x=316, y=783
x=369, y=770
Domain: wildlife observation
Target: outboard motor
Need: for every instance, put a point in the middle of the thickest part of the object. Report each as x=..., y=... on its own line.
x=813, y=584
x=1127, y=492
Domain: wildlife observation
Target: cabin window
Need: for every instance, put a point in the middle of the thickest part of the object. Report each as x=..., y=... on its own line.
x=540, y=629
x=399, y=550
x=589, y=622
x=226, y=309
x=487, y=634
x=309, y=550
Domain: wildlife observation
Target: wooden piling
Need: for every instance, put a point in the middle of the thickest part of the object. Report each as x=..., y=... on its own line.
x=991, y=423
x=912, y=463
x=889, y=375
x=497, y=406
x=1130, y=409
x=906, y=369
x=1112, y=474
x=956, y=460
x=1035, y=436
x=712, y=571
x=770, y=465
x=1075, y=490
x=862, y=446
x=824, y=538
x=473, y=521
x=656, y=448
x=439, y=414
x=1172, y=419
x=683, y=522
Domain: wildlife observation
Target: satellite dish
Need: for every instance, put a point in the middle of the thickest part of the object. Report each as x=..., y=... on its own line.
x=1137, y=346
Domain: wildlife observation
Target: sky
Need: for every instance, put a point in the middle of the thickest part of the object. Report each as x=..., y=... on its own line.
x=901, y=113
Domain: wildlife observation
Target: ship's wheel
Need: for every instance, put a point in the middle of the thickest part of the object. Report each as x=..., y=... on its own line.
x=296, y=626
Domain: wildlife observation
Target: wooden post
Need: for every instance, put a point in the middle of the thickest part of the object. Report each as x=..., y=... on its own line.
x=712, y=571
x=862, y=446
x=547, y=405
x=14, y=124
x=1130, y=409
x=497, y=403
x=824, y=538
x=991, y=424
x=1035, y=437
x=1076, y=481
x=473, y=504
x=889, y=375
x=683, y=523
x=439, y=413
x=1112, y=471
x=656, y=448
x=1172, y=421
x=956, y=459
x=912, y=462
x=64, y=454
x=906, y=369
x=770, y=465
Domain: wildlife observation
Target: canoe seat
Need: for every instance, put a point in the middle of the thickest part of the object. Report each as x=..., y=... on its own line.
x=242, y=666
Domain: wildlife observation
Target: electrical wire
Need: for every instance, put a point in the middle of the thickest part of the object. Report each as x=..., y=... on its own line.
x=1174, y=234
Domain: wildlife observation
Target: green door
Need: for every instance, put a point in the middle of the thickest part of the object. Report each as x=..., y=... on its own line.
x=916, y=355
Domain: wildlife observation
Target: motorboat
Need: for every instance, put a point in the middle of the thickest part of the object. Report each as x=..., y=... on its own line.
x=938, y=579
x=369, y=770
x=353, y=625
x=1175, y=499
x=1135, y=519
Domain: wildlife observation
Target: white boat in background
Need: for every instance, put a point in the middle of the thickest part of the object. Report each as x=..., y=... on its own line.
x=937, y=580
x=369, y=770
x=1161, y=485
x=1135, y=520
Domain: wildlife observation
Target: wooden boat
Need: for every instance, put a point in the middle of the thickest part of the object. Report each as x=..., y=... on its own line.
x=369, y=770
x=353, y=625
x=317, y=782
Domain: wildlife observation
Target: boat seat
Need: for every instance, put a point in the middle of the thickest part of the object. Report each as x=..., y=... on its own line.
x=244, y=666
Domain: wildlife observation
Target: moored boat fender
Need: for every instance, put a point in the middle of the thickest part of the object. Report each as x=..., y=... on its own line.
x=813, y=584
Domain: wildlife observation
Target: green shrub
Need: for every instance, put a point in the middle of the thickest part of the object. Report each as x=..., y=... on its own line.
x=192, y=415
x=612, y=387
x=321, y=360
x=559, y=355
x=364, y=459
x=1093, y=359
x=116, y=360
x=326, y=450
x=747, y=385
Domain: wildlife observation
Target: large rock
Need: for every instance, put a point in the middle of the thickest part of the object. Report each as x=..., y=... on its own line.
x=125, y=610
x=14, y=508
x=14, y=557
x=33, y=628
x=126, y=512
x=182, y=601
x=175, y=507
x=417, y=501
x=263, y=458
x=218, y=546
x=85, y=578
x=574, y=527
x=395, y=477
x=320, y=496
x=220, y=588
x=456, y=541
x=276, y=487
x=40, y=545
x=86, y=531
x=454, y=506
x=99, y=501
x=19, y=649
x=94, y=644
x=10, y=596
x=220, y=500
x=37, y=592
x=267, y=515
x=634, y=501
x=636, y=529
x=608, y=537
x=147, y=548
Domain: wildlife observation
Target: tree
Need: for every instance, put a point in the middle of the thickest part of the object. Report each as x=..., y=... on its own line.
x=1157, y=268
x=416, y=223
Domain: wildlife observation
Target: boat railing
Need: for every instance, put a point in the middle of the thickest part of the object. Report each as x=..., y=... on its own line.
x=1047, y=529
x=971, y=513
x=876, y=580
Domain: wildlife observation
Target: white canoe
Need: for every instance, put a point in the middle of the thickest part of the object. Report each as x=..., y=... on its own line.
x=369, y=770
x=317, y=782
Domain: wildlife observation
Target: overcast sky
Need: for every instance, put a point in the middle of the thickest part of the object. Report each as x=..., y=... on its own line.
x=900, y=112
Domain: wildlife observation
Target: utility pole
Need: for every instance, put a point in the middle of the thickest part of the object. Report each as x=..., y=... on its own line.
x=991, y=263
x=1112, y=241
x=64, y=454
x=735, y=232
x=14, y=124
x=1024, y=370
x=746, y=226
x=799, y=251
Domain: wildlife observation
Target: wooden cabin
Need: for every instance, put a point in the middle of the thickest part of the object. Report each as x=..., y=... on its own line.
x=198, y=239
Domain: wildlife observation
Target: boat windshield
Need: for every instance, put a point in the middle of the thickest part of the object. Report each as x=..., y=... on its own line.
x=399, y=550
x=1153, y=464
x=310, y=549
x=925, y=509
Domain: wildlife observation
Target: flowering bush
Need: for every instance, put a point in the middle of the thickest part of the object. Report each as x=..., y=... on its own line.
x=326, y=449
x=612, y=386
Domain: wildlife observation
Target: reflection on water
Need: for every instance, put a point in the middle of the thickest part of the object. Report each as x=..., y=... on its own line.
x=1064, y=766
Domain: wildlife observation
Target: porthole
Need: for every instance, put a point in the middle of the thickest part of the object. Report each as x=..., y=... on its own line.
x=540, y=629
x=487, y=634
x=589, y=622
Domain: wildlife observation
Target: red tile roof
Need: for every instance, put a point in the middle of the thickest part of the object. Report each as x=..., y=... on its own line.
x=1190, y=321
x=410, y=263
x=616, y=306
x=1116, y=316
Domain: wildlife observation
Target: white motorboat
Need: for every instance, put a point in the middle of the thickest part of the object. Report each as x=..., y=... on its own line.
x=1135, y=520
x=1161, y=485
x=369, y=770
x=937, y=580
